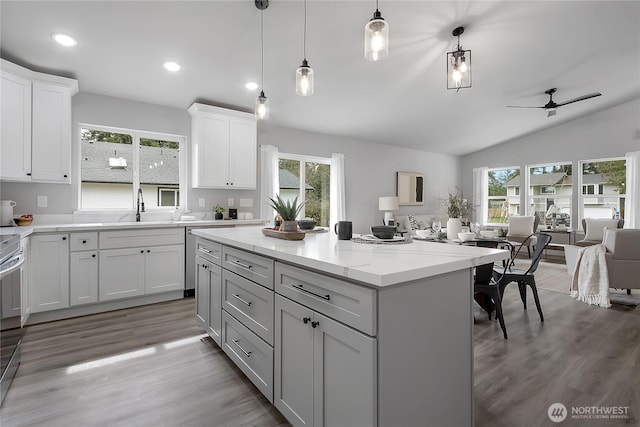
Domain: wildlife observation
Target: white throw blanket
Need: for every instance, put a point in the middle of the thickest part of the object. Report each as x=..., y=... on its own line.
x=590, y=281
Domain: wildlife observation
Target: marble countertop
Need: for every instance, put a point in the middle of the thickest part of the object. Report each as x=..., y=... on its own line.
x=104, y=226
x=371, y=264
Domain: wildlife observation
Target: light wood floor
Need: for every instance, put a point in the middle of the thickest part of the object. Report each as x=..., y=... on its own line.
x=580, y=356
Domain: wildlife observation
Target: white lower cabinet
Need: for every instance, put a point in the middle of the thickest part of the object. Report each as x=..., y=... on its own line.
x=138, y=271
x=49, y=263
x=83, y=277
x=209, y=298
x=325, y=373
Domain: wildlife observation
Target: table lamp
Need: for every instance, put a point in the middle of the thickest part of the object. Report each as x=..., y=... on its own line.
x=388, y=204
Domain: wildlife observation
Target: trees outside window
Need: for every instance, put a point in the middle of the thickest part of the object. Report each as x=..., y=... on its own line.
x=603, y=188
x=503, y=194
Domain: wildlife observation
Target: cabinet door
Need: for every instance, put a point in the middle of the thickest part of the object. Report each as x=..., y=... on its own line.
x=202, y=292
x=15, y=131
x=344, y=375
x=25, y=281
x=242, y=152
x=51, y=138
x=293, y=362
x=211, y=151
x=214, y=328
x=164, y=269
x=83, y=280
x=121, y=273
x=49, y=272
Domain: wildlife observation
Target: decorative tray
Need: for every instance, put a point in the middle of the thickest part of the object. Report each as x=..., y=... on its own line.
x=285, y=235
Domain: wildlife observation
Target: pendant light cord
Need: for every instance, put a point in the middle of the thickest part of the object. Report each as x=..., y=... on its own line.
x=304, y=42
x=262, y=50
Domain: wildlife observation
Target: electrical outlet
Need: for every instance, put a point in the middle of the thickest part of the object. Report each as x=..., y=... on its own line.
x=42, y=201
x=230, y=202
x=201, y=202
x=246, y=203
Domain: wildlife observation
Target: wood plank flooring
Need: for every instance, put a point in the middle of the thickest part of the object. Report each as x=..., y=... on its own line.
x=581, y=355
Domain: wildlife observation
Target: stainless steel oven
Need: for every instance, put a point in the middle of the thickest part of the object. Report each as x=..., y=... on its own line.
x=11, y=260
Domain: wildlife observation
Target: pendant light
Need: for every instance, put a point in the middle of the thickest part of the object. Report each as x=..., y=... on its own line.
x=376, y=37
x=262, y=103
x=304, y=73
x=458, y=65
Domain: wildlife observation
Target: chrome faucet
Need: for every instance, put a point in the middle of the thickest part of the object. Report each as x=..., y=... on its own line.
x=139, y=203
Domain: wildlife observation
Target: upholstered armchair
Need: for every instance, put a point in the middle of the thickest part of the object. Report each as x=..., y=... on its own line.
x=594, y=229
x=520, y=228
x=622, y=255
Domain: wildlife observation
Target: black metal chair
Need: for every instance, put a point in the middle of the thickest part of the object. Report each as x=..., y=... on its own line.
x=526, y=277
x=485, y=282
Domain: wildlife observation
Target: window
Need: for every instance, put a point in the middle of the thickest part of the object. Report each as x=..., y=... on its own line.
x=115, y=163
x=603, y=188
x=551, y=185
x=503, y=194
x=307, y=178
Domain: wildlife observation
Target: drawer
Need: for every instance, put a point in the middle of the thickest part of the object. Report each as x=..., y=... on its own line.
x=139, y=238
x=351, y=304
x=250, y=266
x=253, y=356
x=250, y=303
x=208, y=250
x=83, y=241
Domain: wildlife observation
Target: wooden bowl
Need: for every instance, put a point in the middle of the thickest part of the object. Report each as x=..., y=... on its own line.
x=22, y=222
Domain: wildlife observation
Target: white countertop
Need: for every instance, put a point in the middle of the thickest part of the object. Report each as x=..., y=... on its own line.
x=103, y=226
x=372, y=264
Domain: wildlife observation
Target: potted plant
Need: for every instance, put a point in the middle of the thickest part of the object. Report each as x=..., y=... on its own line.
x=218, y=210
x=288, y=211
x=457, y=208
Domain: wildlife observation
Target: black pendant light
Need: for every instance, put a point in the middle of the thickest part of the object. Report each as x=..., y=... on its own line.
x=262, y=103
x=376, y=37
x=458, y=65
x=304, y=73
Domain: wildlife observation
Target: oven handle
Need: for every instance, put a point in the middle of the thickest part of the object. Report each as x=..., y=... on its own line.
x=12, y=265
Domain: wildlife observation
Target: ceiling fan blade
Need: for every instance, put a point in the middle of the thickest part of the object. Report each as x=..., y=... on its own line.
x=520, y=106
x=580, y=98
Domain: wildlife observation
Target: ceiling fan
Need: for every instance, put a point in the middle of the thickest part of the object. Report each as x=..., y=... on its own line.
x=551, y=106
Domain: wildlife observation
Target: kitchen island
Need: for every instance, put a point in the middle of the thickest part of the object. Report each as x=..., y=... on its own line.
x=360, y=334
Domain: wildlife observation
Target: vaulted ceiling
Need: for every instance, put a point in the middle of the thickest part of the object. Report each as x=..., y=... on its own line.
x=519, y=50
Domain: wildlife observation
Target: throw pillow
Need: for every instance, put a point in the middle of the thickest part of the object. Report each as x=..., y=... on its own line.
x=595, y=227
x=412, y=222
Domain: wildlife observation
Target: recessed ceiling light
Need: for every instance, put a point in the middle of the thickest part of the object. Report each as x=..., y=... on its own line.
x=171, y=66
x=251, y=85
x=64, y=39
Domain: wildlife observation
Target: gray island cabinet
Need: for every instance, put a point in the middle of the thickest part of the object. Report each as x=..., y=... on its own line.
x=338, y=333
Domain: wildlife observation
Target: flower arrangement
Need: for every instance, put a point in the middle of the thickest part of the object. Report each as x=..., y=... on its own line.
x=456, y=204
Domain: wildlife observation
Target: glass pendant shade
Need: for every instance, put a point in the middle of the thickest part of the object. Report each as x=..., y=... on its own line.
x=458, y=65
x=376, y=38
x=262, y=107
x=304, y=79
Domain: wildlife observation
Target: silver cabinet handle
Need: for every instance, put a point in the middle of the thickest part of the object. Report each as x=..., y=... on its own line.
x=247, y=353
x=206, y=251
x=300, y=288
x=248, y=303
x=236, y=262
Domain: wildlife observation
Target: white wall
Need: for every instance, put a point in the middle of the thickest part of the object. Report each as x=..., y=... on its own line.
x=608, y=133
x=370, y=170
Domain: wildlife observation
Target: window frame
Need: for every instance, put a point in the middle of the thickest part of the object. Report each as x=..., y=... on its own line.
x=598, y=188
x=136, y=135
x=530, y=197
x=303, y=159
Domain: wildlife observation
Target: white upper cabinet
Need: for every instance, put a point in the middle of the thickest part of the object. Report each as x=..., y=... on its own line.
x=224, y=148
x=36, y=125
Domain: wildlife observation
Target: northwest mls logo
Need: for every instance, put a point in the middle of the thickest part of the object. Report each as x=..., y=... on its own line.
x=557, y=412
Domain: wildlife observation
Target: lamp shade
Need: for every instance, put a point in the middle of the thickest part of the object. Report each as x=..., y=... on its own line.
x=388, y=203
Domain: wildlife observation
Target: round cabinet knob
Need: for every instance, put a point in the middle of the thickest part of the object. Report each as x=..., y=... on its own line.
x=65, y=176
x=93, y=255
x=28, y=173
x=306, y=320
x=84, y=241
x=142, y=251
x=64, y=238
x=314, y=324
x=148, y=250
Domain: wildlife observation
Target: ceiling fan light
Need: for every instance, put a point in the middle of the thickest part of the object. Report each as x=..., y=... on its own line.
x=551, y=112
x=304, y=79
x=376, y=38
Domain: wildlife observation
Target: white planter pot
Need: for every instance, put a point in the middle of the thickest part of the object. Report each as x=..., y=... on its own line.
x=454, y=226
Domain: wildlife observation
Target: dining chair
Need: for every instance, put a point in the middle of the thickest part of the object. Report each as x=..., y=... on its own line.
x=486, y=283
x=520, y=229
x=526, y=277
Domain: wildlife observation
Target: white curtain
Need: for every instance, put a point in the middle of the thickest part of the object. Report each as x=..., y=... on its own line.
x=269, y=179
x=337, y=192
x=480, y=188
x=632, y=199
